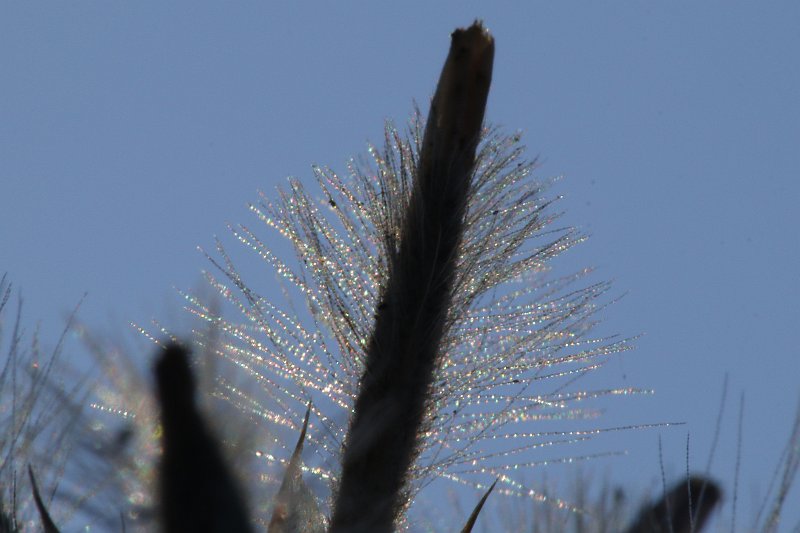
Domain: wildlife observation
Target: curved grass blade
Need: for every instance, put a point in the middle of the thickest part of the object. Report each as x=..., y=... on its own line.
x=47, y=523
x=475, y=512
x=296, y=509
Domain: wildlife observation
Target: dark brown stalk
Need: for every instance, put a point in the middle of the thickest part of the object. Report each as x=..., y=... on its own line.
x=684, y=509
x=401, y=357
x=198, y=493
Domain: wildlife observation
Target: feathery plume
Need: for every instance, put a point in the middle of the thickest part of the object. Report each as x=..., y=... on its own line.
x=512, y=341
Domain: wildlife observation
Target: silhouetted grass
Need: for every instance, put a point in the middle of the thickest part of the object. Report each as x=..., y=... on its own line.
x=683, y=509
x=197, y=489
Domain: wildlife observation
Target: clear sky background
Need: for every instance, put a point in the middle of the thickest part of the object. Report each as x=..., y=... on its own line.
x=131, y=133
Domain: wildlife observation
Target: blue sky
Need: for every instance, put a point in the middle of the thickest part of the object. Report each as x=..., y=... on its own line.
x=131, y=133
